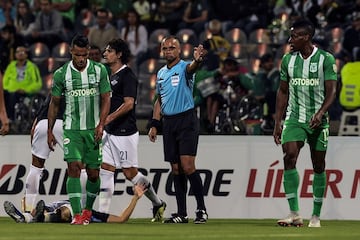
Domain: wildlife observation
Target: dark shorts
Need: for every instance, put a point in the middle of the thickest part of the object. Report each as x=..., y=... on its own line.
x=180, y=135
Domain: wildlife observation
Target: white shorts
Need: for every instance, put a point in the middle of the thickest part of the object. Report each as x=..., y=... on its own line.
x=120, y=151
x=39, y=145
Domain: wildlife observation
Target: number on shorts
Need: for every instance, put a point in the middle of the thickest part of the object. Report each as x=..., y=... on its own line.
x=123, y=155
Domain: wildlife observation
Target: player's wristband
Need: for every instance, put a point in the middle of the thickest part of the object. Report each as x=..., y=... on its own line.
x=155, y=123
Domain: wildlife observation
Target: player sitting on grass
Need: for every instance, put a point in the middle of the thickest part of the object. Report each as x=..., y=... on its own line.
x=61, y=211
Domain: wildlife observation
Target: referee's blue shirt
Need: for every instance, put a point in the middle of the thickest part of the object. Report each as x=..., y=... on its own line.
x=175, y=88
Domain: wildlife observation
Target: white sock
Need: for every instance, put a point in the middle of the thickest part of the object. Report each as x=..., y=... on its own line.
x=150, y=193
x=106, y=190
x=32, y=187
x=28, y=217
x=83, y=179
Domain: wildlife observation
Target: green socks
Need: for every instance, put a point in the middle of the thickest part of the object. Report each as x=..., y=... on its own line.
x=319, y=185
x=291, y=184
x=92, y=190
x=73, y=187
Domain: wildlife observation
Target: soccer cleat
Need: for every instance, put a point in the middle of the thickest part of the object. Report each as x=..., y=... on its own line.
x=86, y=215
x=39, y=211
x=176, y=218
x=201, y=216
x=314, y=221
x=13, y=212
x=158, y=212
x=77, y=220
x=292, y=219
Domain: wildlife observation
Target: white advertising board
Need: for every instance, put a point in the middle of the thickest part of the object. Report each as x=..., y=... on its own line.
x=242, y=177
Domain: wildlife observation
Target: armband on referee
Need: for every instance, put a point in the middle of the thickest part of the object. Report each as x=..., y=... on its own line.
x=156, y=124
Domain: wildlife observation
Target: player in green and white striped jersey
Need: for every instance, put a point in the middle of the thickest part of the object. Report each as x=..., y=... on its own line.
x=86, y=87
x=307, y=88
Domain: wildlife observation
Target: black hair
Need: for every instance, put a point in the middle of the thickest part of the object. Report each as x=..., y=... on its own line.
x=9, y=29
x=120, y=45
x=102, y=10
x=80, y=41
x=92, y=46
x=229, y=61
x=266, y=57
x=306, y=25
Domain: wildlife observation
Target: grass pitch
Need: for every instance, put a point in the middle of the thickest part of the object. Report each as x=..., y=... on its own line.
x=145, y=230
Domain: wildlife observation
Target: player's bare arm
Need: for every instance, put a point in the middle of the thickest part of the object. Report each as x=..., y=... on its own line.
x=281, y=103
x=3, y=115
x=52, y=112
x=105, y=108
x=156, y=117
x=330, y=94
x=126, y=107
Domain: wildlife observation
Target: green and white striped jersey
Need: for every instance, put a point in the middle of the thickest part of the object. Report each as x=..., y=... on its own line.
x=82, y=93
x=306, y=79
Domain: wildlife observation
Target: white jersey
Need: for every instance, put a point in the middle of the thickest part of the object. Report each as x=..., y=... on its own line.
x=53, y=206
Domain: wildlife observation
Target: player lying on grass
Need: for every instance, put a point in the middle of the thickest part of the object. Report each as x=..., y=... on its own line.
x=61, y=211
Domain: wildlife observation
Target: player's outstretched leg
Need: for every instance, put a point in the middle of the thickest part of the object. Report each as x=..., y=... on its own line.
x=158, y=212
x=13, y=212
x=39, y=211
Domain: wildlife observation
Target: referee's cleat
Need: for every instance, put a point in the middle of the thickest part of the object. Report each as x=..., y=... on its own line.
x=158, y=212
x=176, y=218
x=201, y=216
x=13, y=212
x=39, y=211
x=293, y=219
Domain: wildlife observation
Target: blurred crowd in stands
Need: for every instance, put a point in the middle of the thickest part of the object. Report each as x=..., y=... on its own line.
x=236, y=86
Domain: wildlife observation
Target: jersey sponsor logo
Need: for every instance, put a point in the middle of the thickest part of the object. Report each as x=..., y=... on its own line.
x=305, y=82
x=82, y=92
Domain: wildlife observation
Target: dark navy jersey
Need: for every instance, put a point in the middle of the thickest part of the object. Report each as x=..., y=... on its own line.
x=43, y=111
x=123, y=84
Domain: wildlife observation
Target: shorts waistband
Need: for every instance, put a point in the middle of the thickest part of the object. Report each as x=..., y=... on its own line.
x=187, y=112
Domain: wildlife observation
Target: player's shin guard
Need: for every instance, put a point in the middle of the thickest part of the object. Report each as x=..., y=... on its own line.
x=32, y=187
x=291, y=184
x=319, y=185
x=106, y=190
x=150, y=193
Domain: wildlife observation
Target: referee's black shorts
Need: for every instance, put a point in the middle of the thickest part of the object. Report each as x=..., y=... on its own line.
x=180, y=135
